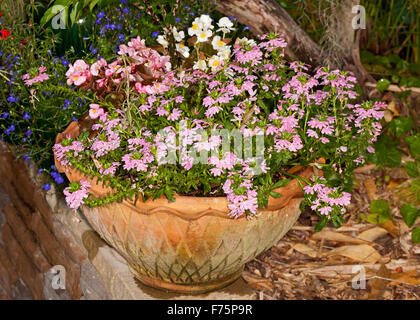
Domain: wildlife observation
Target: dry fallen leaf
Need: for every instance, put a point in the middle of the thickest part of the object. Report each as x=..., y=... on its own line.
x=372, y=234
x=256, y=282
x=370, y=188
x=378, y=285
x=303, y=248
x=408, y=277
x=335, y=236
x=361, y=253
x=391, y=228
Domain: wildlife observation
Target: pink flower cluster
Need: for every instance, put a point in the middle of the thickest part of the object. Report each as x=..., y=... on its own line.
x=42, y=76
x=76, y=198
x=324, y=199
x=138, y=63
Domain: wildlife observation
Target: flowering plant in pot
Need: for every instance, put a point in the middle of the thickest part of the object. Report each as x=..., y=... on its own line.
x=191, y=170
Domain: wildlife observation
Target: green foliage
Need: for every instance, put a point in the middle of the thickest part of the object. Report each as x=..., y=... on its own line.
x=411, y=167
x=386, y=152
x=31, y=116
x=409, y=213
x=380, y=211
x=400, y=126
x=415, y=235
x=383, y=84
x=414, y=145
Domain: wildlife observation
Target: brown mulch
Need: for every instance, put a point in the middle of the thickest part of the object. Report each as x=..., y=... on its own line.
x=326, y=265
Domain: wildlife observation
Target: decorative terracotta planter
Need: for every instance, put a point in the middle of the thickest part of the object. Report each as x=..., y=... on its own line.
x=190, y=245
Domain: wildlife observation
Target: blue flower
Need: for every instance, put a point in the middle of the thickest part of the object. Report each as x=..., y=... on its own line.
x=57, y=177
x=28, y=133
x=5, y=115
x=246, y=28
x=10, y=129
x=94, y=51
x=40, y=171
x=101, y=15
x=46, y=186
x=155, y=34
x=26, y=116
x=126, y=10
x=12, y=99
x=177, y=20
x=121, y=37
x=123, y=1
x=64, y=62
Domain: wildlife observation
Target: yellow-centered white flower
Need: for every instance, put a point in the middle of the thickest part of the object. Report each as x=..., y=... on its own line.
x=204, y=35
x=218, y=44
x=200, y=25
x=216, y=62
x=183, y=49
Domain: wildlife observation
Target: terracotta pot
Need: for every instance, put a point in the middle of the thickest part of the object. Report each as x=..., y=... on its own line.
x=190, y=245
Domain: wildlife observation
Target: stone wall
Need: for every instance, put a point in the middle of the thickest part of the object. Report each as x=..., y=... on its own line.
x=39, y=235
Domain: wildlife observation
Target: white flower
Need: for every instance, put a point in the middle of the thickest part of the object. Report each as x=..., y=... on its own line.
x=182, y=49
x=215, y=62
x=200, y=25
x=204, y=35
x=218, y=43
x=224, y=54
x=247, y=41
x=161, y=40
x=200, y=65
x=205, y=22
x=168, y=66
x=225, y=25
x=178, y=35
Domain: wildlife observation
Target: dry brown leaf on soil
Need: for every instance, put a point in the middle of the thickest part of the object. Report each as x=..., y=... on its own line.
x=379, y=284
x=408, y=277
x=337, y=237
x=391, y=228
x=256, y=282
x=370, y=188
x=361, y=253
x=305, y=249
x=372, y=234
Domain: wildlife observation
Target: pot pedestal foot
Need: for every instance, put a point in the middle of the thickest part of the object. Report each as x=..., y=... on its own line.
x=192, y=289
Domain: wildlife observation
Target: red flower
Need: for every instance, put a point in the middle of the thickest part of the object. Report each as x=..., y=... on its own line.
x=0, y=14
x=4, y=33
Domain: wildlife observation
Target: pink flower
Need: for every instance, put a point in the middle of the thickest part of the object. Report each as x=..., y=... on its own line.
x=95, y=111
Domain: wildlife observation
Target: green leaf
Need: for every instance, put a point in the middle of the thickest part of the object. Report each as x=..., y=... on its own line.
x=50, y=13
x=411, y=169
x=381, y=207
x=401, y=125
x=409, y=213
x=415, y=235
x=74, y=12
x=414, y=144
x=383, y=84
x=386, y=153
x=92, y=4
x=275, y=194
x=320, y=225
x=281, y=183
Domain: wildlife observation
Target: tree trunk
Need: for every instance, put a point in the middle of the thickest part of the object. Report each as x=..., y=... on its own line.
x=340, y=46
x=263, y=16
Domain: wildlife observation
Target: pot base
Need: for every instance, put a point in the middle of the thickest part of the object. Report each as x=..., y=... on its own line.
x=188, y=288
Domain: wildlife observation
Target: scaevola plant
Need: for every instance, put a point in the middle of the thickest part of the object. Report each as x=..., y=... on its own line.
x=231, y=122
